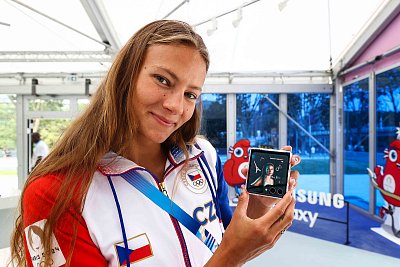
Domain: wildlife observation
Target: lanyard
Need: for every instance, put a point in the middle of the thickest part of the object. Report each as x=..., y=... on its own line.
x=151, y=192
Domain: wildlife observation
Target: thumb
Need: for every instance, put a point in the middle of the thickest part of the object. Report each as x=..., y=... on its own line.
x=243, y=203
x=245, y=170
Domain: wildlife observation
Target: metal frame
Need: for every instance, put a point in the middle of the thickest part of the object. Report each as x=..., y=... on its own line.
x=372, y=129
x=283, y=130
x=55, y=56
x=372, y=137
x=230, y=120
x=21, y=149
x=376, y=25
x=267, y=88
x=390, y=67
x=333, y=161
x=99, y=17
x=340, y=129
x=24, y=114
x=337, y=185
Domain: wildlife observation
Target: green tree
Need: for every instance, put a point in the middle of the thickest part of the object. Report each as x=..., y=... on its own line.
x=8, y=125
x=213, y=123
x=49, y=129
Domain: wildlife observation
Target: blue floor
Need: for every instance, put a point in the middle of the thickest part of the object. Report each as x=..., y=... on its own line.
x=360, y=234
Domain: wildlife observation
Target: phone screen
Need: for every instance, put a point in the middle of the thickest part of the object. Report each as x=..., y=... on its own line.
x=268, y=172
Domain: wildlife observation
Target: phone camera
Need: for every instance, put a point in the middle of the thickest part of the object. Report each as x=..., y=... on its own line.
x=280, y=191
x=272, y=190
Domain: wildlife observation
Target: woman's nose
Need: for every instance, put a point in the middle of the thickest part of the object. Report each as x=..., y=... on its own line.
x=174, y=102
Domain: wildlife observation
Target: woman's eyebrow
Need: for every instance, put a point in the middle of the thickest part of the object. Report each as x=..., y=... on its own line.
x=175, y=77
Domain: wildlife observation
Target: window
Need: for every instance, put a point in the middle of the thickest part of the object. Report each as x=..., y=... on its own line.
x=82, y=104
x=49, y=104
x=257, y=120
x=50, y=129
x=356, y=138
x=311, y=112
x=8, y=146
x=213, y=122
x=387, y=120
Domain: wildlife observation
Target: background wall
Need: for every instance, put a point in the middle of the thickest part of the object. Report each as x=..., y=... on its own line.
x=7, y=217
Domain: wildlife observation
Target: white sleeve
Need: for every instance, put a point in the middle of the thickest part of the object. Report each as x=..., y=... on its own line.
x=41, y=150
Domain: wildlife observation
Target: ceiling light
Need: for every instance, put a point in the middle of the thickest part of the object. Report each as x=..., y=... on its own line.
x=239, y=17
x=282, y=5
x=214, y=27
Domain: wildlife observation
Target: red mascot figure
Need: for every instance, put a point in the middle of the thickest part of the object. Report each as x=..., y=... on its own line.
x=233, y=166
x=387, y=181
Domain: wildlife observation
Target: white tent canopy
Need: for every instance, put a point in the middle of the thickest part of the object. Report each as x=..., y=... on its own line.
x=273, y=35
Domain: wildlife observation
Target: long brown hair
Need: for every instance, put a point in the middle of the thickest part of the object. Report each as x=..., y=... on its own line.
x=107, y=124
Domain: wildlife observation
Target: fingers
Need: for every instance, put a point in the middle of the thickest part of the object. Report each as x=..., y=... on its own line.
x=243, y=203
x=295, y=160
x=288, y=148
x=278, y=210
x=294, y=176
x=245, y=170
x=285, y=221
x=281, y=216
x=292, y=183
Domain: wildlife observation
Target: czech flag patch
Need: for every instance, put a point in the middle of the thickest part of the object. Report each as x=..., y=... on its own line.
x=139, y=248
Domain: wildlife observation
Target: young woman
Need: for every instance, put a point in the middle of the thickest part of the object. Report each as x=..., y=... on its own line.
x=129, y=183
x=268, y=179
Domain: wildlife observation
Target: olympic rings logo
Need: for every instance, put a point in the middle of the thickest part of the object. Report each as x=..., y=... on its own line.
x=198, y=183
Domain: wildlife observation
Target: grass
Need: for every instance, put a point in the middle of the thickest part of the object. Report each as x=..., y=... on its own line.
x=318, y=166
x=313, y=166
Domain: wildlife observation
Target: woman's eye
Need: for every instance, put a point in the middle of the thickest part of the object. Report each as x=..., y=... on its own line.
x=162, y=80
x=191, y=96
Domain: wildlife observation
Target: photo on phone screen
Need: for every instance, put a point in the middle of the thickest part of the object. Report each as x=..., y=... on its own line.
x=269, y=172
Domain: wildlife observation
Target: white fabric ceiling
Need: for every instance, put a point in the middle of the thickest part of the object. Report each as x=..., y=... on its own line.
x=267, y=39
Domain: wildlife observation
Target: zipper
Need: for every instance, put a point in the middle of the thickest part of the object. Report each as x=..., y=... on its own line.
x=163, y=188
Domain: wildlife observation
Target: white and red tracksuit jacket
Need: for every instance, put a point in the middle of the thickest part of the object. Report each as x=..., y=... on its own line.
x=154, y=237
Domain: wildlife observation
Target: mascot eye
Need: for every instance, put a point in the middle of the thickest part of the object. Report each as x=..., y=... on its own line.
x=238, y=152
x=393, y=155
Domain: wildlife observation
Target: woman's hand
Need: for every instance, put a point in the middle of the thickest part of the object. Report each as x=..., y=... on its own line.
x=259, y=205
x=246, y=238
x=257, y=224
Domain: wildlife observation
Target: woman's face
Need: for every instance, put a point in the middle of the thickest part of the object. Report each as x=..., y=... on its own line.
x=270, y=170
x=167, y=88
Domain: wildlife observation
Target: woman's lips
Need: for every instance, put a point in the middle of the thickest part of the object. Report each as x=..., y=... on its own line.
x=162, y=120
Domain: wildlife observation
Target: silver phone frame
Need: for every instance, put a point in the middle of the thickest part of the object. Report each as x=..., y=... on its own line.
x=251, y=149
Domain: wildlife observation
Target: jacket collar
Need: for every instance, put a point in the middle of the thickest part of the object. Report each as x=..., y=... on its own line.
x=114, y=165
x=176, y=155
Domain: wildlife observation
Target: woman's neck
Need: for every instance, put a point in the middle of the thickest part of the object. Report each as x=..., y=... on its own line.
x=150, y=156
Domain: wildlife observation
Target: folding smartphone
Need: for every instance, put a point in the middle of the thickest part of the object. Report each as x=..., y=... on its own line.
x=269, y=172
